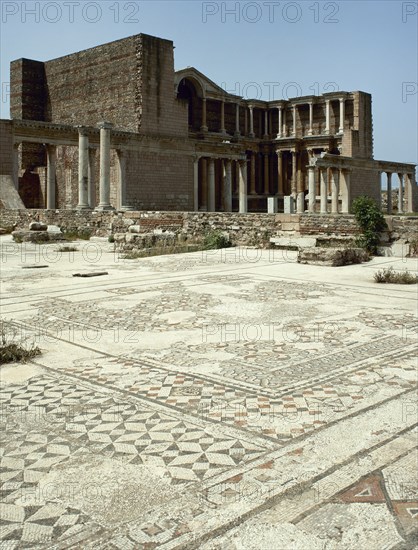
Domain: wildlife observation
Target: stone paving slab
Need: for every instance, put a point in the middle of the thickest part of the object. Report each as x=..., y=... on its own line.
x=223, y=400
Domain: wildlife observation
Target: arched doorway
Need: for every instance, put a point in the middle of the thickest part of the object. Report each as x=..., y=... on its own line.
x=187, y=91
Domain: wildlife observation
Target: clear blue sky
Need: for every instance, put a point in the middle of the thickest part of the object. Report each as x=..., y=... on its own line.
x=354, y=45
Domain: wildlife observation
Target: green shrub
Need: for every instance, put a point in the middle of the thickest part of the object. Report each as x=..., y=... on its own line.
x=111, y=238
x=216, y=239
x=77, y=234
x=12, y=351
x=66, y=248
x=389, y=275
x=371, y=222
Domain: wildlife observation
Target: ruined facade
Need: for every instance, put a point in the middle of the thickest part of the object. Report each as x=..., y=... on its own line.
x=116, y=127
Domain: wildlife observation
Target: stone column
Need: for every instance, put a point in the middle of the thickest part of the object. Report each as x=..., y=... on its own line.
x=242, y=187
x=409, y=191
x=196, y=184
x=222, y=130
x=324, y=190
x=280, y=173
x=294, y=121
x=294, y=174
x=211, y=186
x=311, y=189
x=252, y=174
x=204, y=187
x=310, y=131
x=284, y=123
x=345, y=191
x=122, y=180
x=237, y=131
x=16, y=165
x=227, y=181
x=204, y=127
x=104, y=199
x=400, y=196
x=91, y=184
x=266, y=125
x=327, y=115
x=342, y=115
x=251, y=109
x=279, y=130
x=51, y=152
x=266, y=174
x=334, y=191
x=83, y=169
x=389, y=192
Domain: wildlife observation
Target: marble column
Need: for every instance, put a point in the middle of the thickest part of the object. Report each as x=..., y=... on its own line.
x=83, y=169
x=196, y=184
x=294, y=174
x=279, y=130
x=400, y=196
x=284, y=123
x=389, y=192
x=237, y=130
x=327, y=116
x=251, y=109
x=211, y=186
x=266, y=125
x=311, y=189
x=310, y=131
x=334, y=191
x=51, y=152
x=222, y=130
x=227, y=186
x=324, y=189
x=91, y=184
x=345, y=180
x=342, y=115
x=294, y=120
x=204, y=186
x=409, y=193
x=266, y=174
x=242, y=187
x=280, y=189
x=204, y=127
x=104, y=199
x=252, y=174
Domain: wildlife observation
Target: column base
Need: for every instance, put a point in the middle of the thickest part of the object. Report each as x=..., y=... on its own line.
x=237, y=134
x=104, y=207
x=203, y=128
x=251, y=135
x=83, y=207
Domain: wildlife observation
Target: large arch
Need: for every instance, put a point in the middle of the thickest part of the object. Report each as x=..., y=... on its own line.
x=190, y=91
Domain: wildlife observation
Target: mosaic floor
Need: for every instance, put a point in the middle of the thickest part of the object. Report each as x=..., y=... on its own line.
x=215, y=401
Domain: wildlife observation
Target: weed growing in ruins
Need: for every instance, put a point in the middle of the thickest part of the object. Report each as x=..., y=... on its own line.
x=216, y=239
x=77, y=234
x=67, y=249
x=389, y=275
x=371, y=221
x=11, y=350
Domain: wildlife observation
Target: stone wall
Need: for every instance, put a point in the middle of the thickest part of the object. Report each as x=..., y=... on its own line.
x=246, y=229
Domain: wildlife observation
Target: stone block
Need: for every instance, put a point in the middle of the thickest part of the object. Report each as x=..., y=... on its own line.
x=272, y=205
x=332, y=256
x=37, y=226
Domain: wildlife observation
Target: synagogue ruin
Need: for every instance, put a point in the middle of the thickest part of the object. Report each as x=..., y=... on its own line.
x=116, y=127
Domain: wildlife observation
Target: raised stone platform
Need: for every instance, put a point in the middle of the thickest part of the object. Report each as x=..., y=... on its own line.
x=332, y=256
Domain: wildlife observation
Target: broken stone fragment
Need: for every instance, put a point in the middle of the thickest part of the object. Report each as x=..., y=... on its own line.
x=37, y=226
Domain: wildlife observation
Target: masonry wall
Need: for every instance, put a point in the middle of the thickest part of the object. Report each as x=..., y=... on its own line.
x=6, y=147
x=244, y=229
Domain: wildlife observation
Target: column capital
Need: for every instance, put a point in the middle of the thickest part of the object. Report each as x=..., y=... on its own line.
x=105, y=125
x=82, y=130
